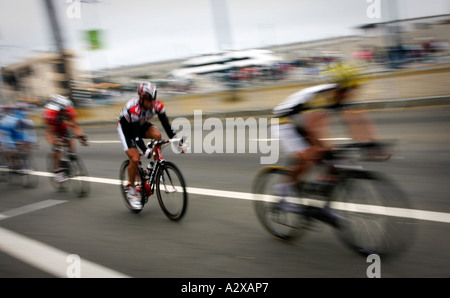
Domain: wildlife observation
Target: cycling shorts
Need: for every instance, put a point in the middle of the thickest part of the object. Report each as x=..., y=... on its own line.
x=290, y=138
x=126, y=135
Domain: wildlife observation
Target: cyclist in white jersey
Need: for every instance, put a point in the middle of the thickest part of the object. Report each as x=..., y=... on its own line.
x=133, y=125
x=303, y=122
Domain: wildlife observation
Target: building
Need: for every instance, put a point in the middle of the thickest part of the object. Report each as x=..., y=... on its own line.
x=35, y=79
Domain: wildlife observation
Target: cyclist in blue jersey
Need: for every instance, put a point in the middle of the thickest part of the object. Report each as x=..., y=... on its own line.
x=17, y=133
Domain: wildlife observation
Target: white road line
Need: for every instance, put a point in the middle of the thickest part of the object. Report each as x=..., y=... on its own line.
x=29, y=208
x=105, y=142
x=57, y=262
x=415, y=214
x=45, y=257
x=50, y=259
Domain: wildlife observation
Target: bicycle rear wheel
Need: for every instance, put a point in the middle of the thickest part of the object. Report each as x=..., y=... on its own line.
x=283, y=225
x=78, y=176
x=124, y=181
x=171, y=191
x=378, y=215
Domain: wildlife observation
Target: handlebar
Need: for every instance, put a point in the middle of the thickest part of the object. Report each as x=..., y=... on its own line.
x=66, y=139
x=363, y=151
x=153, y=143
x=155, y=147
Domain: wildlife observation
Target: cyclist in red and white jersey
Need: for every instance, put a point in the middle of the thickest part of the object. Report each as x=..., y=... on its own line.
x=133, y=125
x=61, y=121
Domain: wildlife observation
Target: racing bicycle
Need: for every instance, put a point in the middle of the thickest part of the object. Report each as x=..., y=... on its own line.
x=161, y=177
x=369, y=212
x=18, y=168
x=73, y=167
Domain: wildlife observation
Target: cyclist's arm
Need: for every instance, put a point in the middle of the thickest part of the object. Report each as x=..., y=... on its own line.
x=360, y=126
x=73, y=119
x=316, y=127
x=78, y=131
x=166, y=125
x=161, y=111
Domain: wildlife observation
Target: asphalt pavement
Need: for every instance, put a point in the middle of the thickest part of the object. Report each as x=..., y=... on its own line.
x=44, y=232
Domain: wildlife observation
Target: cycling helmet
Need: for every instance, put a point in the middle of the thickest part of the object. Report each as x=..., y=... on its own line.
x=147, y=90
x=61, y=101
x=347, y=76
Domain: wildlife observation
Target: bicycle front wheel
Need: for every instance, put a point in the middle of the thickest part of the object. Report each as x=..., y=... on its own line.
x=282, y=224
x=378, y=218
x=171, y=191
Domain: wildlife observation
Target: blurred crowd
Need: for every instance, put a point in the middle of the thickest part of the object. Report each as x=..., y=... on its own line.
x=404, y=54
x=115, y=87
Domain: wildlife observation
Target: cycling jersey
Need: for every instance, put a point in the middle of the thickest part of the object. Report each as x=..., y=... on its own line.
x=291, y=129
x=56, y=121
x=133, y=122
x=305, y=99
x=16, y=129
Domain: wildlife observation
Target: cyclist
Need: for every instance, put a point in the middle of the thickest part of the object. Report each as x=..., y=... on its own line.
x=303, y=122
x=60, y=118
x=133, y=125
x=17, y=133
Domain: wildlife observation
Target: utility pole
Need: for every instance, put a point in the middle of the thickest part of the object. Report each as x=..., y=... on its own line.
x=222, y=24
x=63, y=67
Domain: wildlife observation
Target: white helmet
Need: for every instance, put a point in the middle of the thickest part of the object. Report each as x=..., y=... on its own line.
x=61, y=101
x=147, y=90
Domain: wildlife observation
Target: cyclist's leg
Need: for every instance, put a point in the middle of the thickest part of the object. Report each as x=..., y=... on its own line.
x=293, y=145
x=133, y=197
x=51, y=137
x=134, y=157
x=304, y=160
x=130, y=149
x=151, y=132
x=72, y=145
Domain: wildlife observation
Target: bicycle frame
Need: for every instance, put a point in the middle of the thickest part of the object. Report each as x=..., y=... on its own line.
x=148, y=179
x=63, y=150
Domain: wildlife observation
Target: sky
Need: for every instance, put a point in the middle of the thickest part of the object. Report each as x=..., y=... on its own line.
x=142, y=31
